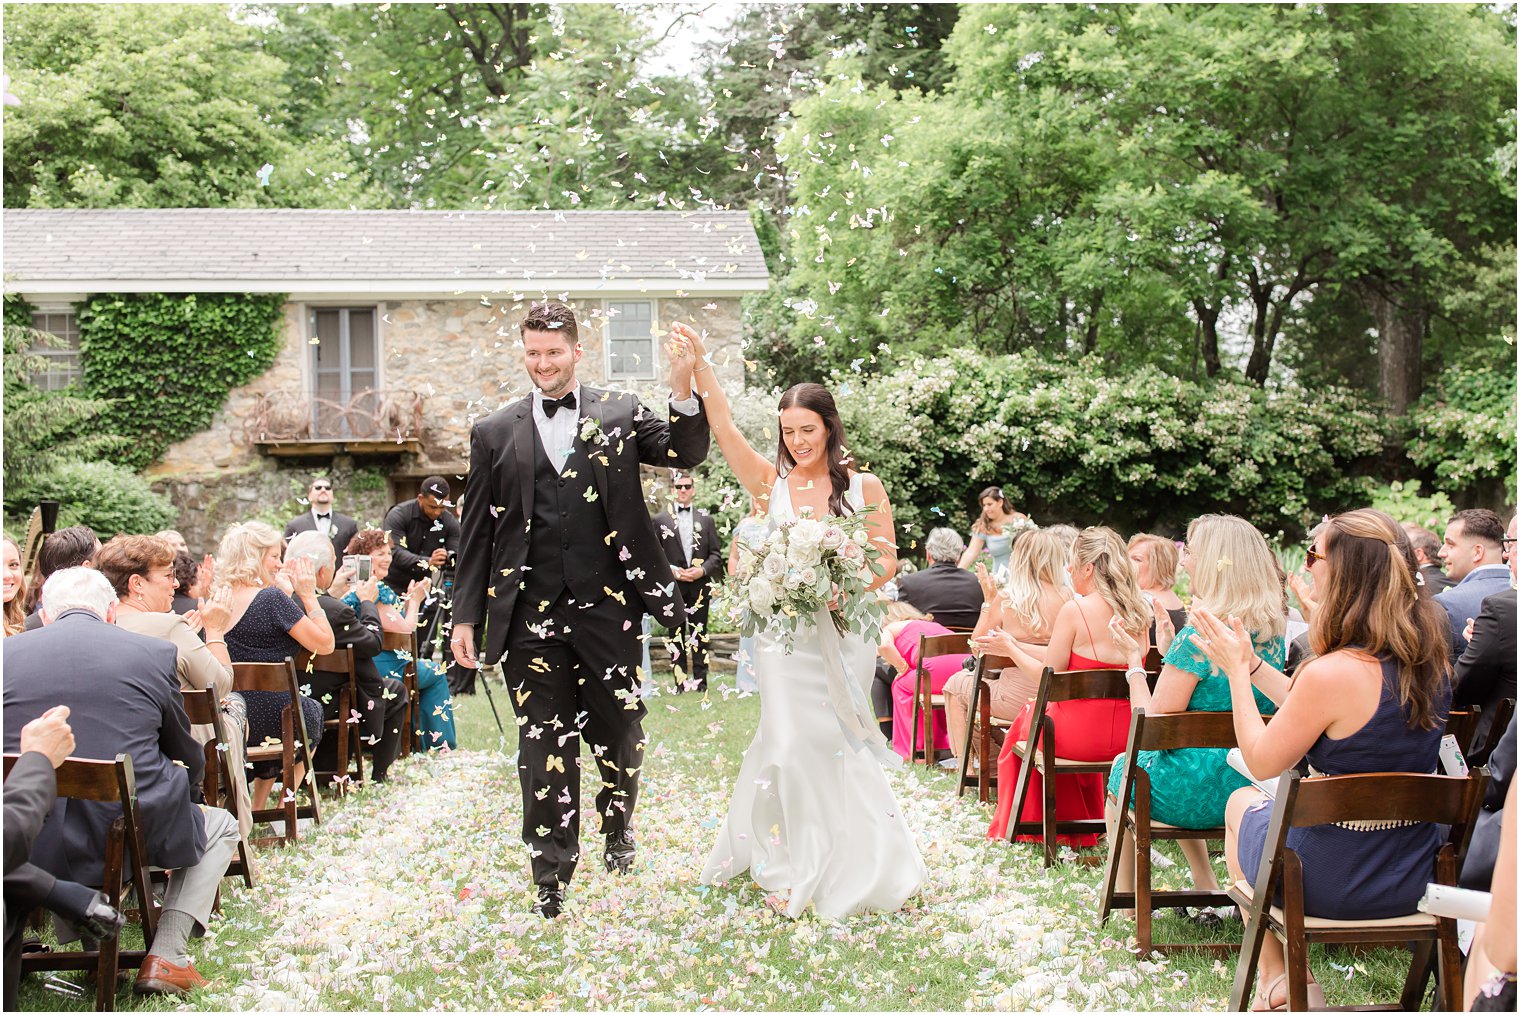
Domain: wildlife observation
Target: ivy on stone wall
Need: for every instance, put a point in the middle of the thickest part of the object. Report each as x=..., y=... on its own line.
x=167, y=361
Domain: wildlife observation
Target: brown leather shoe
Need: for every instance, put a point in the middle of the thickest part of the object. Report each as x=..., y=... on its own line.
x=160, y=976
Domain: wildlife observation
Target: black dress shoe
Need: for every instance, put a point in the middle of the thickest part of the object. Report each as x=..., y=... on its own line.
x=620, y=852
x=551, y=902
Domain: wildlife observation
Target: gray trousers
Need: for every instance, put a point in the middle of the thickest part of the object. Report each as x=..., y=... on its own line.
x=192, y=890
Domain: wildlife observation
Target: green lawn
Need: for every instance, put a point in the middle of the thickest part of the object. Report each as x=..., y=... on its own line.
x=415, y=895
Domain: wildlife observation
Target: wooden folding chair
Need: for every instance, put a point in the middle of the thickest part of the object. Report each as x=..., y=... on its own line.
x=1390, y=796
x=979, y=725
x=924, y=700
x=1462, y=723
x=1139, y=828
x=406, y=644
x=294, y=747
x=348, y=747
x=217, y=784
x=1038, y=753
x=106, y=782
x=1490, y=728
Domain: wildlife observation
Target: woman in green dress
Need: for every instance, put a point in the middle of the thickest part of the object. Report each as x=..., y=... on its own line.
x=1232, y=572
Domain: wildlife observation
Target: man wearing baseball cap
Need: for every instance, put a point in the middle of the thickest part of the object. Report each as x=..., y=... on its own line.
x=423, y=533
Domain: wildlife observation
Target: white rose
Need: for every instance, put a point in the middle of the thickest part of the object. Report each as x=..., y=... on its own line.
x=793, y=580
x=761, y=598
x=860, y=537
x=852, y=551
x=808, y=577
x=833, y=538
x=802, y=554
x=806, y=532
x=774, y=566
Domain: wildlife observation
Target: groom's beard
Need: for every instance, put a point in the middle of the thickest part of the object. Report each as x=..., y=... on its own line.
x=564, y=384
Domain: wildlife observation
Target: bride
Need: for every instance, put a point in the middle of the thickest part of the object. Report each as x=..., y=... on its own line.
x=811, y=816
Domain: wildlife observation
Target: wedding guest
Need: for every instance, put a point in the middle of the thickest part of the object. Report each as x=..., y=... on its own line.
x=1374, y=699
x=1427, y=550
x=993, y=531
x=1485, y=672
x=190, y=588
x=1232, y=572
x=337, y=527
x=1093, y=730
x=1492, y=963
x=174, y=539
x=74, y=546
x=140, y=570
x=944, y=590
x=435, y=706
x=1067, y=534
x=749, y=533
x=1025, y=607
x=423, y=532
x=904, y=626
x=1473, y=550
x=1155, y=560
x=268, y=626
x=689, y=538
x=122, y=695
x=15, y=589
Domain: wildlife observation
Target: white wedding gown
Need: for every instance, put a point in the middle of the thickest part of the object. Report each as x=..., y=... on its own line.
x=811, y=816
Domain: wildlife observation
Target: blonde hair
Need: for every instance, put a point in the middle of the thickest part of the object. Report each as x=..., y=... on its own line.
x=901, y=609
x=1161, y=554
x=240, y=556
x=1113, y=577
x=1234, y=572
x=1037, y=559
x=15, y=610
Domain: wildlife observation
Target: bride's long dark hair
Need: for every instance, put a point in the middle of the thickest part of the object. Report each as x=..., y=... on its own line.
x=816, y=397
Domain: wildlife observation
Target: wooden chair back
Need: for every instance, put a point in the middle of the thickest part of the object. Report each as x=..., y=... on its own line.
x=1462, y=723
x=217, y=785
x=979, y=728
x=295, y=748
x=126, y=855
x=347, y=745
x=930, y=646
x=1380, y=796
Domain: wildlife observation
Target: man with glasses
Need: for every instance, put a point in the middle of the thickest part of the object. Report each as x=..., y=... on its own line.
x=1472, y=551
x=690, y=541
x=338, y=528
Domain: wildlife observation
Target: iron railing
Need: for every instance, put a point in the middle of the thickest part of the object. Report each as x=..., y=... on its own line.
x=393, y=415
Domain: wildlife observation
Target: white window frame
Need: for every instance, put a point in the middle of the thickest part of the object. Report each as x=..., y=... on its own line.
x=65, y=366
x=614, y=311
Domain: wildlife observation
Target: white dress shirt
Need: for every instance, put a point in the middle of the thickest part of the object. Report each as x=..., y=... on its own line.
x=685, y=522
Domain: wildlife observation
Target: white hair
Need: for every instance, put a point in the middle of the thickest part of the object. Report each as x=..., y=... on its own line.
x=312, y=545
x=77, y=588
x=944, y=546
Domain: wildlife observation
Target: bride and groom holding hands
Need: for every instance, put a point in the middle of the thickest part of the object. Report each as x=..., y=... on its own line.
x=558, y=563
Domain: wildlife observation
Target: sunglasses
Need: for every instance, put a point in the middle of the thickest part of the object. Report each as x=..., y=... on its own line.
x=683, y=486
x=321, y=486
x=1312, y=556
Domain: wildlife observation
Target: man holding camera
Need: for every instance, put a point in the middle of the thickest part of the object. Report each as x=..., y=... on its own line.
x=424, y=536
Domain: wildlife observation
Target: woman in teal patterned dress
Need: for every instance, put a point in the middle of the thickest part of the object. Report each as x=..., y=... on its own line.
x=434, y=720
x=1232, y=572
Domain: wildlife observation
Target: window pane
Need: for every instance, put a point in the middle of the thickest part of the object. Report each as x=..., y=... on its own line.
x=61, y=358
x=361, y=343
x=328, y=354
x=630, y=342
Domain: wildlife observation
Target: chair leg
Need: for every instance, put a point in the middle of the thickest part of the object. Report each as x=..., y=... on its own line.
x=107, y=959
x=1048, y=813
x=1250, y=956
x=913, y=727
x=971, y=727
x=289, y=789
x=1448, y=966
x=1421, y=965
x=1142, y=881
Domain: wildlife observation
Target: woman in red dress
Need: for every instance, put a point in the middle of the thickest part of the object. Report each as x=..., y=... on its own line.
x=1085, y=730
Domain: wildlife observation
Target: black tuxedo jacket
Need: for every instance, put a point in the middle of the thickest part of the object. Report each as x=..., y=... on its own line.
x=123, y=694
x=1486, y=669
x=952, y=595
x=344, y=529
x=359, y=631
x=498, y=503
x=705, y=548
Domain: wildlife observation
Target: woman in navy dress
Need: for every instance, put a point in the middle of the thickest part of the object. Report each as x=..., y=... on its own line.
x=275, y=614
x=1374, y=699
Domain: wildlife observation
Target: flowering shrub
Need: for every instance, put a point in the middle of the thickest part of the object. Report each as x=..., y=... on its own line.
x=1464, y=428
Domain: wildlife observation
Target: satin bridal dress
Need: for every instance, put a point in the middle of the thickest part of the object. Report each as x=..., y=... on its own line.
x=812, y=817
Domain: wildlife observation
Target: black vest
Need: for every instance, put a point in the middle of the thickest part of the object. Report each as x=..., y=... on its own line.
x=566, y=548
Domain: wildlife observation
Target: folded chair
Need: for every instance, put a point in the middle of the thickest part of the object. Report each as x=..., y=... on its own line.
x=1393, y=796
x=294, y=747
x=126, y=856
x=216, y=785
x=348, y=771
x=1039, y=754
x=1137, y=828
x=924, y=701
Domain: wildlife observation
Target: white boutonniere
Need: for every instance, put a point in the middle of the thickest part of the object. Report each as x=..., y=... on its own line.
x=591, y=432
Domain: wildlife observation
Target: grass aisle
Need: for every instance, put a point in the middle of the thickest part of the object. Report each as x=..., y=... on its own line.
x=415, y=895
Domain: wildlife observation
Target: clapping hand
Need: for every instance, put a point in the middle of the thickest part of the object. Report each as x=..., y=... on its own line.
x=303, y=579
x=214, y=613
x=995, y=642
x=1227, y=646
x=1165, y=630
x=1127, y=644
x=1306, y=601
x=417, y=591
x=989, y=585
x=205, y=575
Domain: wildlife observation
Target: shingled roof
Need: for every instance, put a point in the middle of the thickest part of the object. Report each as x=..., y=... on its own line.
x=405, y=252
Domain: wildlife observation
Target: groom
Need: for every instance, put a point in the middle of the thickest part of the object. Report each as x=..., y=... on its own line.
x=559, y=560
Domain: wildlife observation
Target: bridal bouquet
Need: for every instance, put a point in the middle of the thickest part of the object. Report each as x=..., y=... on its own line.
x=799, y=570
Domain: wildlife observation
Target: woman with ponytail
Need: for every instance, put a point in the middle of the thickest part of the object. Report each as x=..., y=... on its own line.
x=1374, y=699
x=1081, y=639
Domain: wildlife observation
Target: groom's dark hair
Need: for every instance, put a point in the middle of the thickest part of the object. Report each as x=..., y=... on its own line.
x=552, y=315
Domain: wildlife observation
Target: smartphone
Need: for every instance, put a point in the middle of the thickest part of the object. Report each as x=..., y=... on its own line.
x=362, y=566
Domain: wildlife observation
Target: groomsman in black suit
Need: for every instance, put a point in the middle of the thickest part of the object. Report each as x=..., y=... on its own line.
x=322, y=518
x=690, y=540
x=558, y=563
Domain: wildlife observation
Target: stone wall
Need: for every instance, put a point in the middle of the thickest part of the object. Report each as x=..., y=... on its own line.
x=461, y=355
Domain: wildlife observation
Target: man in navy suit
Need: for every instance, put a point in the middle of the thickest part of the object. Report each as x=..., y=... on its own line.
x=123, y=697
x=1472, y=550
x=690, y=540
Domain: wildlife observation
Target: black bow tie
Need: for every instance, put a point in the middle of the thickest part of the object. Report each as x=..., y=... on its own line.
x=685, y=509
x=324, y=518
x=553, y=405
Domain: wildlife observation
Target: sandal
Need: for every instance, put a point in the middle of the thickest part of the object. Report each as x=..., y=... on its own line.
x=1315, y=995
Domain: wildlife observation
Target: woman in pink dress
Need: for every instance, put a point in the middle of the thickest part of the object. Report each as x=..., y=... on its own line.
x=904, y=626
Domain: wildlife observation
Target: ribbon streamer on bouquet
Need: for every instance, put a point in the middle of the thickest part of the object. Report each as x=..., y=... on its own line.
x=851, y=704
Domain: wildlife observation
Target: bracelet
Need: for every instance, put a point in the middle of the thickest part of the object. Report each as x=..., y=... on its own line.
x=1259, y=661
x=986, y=606
x=1135, y=671
x=215, y=641
x=704, y=366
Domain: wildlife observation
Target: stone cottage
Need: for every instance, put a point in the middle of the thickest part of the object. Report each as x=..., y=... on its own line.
x=399, y=326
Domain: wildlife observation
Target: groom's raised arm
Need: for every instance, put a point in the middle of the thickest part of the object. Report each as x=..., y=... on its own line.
x=680, y=443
